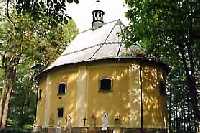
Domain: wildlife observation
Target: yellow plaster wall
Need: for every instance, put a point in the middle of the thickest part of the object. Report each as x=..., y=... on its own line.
x=114, y=102
x=67, y=76
x=155, y=115
x=134, y=95
x=123, y=100
x=40, y=104
x=81, y=96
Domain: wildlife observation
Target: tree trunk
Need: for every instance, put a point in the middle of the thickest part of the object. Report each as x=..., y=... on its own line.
x=5, y=110
x=190, y=82
x=10, y=76
x=2, y=101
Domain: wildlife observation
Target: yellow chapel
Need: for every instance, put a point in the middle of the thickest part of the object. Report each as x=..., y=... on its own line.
x=99, y=85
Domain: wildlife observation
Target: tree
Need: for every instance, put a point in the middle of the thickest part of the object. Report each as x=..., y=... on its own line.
x=165, y=30
x=22, y=104
x=31, y=42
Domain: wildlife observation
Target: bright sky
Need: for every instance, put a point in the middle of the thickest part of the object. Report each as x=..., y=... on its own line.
x=82, y=12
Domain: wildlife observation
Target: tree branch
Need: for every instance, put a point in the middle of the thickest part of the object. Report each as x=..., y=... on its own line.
x=7, y=11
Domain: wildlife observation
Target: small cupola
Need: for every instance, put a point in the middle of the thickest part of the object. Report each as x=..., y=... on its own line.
x=97, y=21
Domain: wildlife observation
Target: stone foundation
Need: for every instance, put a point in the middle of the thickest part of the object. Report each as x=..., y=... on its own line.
x=98, y=130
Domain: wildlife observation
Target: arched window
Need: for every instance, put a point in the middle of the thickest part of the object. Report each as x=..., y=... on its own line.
x=60, y=112
x=61, y=89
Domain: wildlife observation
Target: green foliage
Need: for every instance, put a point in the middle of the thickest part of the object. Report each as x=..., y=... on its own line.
x=36, y=40
x=23, y=102
x=52, y=8
x=150, y=23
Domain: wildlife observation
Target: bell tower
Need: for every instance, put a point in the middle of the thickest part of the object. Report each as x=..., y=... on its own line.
x=97, y=21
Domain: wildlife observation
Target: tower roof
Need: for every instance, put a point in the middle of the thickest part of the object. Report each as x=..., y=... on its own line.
x=90, y=45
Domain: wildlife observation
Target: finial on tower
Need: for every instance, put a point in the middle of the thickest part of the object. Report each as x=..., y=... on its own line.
x=97, y=18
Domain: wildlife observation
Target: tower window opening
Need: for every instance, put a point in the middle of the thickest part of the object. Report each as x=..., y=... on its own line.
x=61, y=89
x=105, y=84
x=97, y=19
x=60, y=112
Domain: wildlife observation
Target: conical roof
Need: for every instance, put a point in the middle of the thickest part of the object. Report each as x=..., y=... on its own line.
x=90, y=45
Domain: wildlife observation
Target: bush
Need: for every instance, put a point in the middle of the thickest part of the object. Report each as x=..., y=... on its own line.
x=14, y=130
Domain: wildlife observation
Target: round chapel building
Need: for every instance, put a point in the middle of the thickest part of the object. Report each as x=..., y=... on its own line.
x=99, y=85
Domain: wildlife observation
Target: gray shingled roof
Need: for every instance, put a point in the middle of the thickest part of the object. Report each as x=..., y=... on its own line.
x=93, y=45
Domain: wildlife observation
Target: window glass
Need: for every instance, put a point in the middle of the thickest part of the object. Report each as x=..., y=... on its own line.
x=60, y=112
x=61, y=89
x=105, y=84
